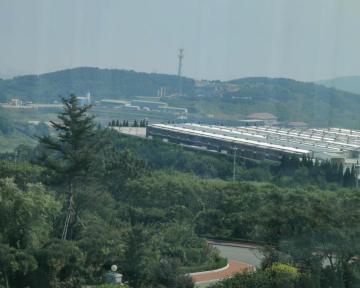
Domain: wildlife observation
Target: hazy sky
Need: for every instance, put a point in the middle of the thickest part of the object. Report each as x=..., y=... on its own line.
x=300, y=39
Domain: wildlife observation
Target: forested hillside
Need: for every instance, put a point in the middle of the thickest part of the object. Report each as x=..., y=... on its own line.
x=102, y=83
x=287, y=99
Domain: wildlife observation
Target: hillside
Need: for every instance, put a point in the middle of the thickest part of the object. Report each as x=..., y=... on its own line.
x=288, y=99
x=103, y=83
x=292, y=100
x=349, y=83
x=15, y=131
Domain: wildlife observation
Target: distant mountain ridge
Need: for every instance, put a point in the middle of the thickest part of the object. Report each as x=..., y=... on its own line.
x=288, y=99
x=347, y=83
x=102, y=83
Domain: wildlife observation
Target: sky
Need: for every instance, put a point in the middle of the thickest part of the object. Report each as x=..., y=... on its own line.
x=306, y=40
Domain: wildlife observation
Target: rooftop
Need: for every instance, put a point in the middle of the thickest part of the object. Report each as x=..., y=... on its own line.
x=322, y=143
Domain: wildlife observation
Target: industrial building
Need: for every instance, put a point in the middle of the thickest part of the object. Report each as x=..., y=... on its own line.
x=159, y=107
x=148, y=105
x=266, y=142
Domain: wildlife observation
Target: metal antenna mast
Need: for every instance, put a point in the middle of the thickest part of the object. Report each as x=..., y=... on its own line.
x=180, y=56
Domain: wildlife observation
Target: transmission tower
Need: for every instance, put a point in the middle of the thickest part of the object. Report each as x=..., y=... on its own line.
x=180, y=56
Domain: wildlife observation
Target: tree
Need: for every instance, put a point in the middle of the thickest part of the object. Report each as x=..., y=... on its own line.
x=26, y=219
x=12, y=262
x=120, y=167
x=60, y=263
x=33, y=209
x=349, y=178
x=140, y=258
x=70, y=153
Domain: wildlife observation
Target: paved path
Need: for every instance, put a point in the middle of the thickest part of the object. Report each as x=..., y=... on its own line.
x=241, y=257
x=234, y=267
x=246, y=253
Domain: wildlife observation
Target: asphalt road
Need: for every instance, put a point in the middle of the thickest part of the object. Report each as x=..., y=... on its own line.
x=241, y=252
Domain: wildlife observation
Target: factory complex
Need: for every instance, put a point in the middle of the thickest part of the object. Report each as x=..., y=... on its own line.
x=266, y=142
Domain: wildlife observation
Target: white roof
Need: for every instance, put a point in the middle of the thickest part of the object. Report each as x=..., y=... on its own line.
x=324, y=143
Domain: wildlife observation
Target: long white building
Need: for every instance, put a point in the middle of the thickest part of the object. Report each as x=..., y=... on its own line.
x=261, y=142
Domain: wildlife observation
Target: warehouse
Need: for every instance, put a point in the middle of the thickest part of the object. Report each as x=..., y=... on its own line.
x=266, y=142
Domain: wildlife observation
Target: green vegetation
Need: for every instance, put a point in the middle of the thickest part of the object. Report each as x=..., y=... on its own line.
x=287, y=99
x=278, y=275
x=146, y=206
x=103, y=83
x=136, y=123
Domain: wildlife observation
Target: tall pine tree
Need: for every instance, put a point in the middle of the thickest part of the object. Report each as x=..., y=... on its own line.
x=70, y=153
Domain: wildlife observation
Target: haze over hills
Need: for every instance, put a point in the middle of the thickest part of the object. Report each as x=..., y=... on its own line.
x=348, y=83
x=288, y=99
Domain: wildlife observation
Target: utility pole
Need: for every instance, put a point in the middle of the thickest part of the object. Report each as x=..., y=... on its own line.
x=234, y=167
x=180, y=56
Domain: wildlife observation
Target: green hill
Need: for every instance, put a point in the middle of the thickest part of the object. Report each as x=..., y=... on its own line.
x=103, y=83
x=287, y=99
x=292, y=100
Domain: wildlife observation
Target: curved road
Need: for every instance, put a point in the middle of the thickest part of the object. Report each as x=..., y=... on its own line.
x=242, y=257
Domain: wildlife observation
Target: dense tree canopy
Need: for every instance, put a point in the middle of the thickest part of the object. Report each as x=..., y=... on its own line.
x=148, y=206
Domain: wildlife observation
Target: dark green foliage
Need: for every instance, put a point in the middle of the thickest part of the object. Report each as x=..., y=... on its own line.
x=122, y=166
x=294, y=170
x=71, y=151
x=61, y=263
x=349, y=177
x=70, y=154
x=159, y=155
x=22, y=172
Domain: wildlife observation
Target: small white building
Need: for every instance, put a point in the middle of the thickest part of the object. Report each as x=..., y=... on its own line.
x=84, y=100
